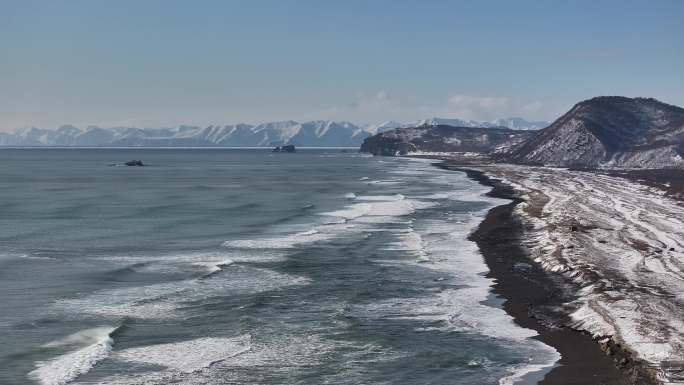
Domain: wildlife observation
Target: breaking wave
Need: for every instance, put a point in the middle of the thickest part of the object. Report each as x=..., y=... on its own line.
x=189, y=356
x=92, y=346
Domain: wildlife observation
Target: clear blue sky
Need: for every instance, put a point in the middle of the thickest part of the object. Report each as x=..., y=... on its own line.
x=162, y=63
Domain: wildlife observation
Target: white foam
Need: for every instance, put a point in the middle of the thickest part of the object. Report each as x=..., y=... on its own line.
x=277, y=355
x=83, y=337
x=163, y=300
x=351, y=212
x=286, y=351
x=381, y=198
x=96, y=345
x=410, y=241
x=387, y=206
x=307, y=233
x=214, y=266
x=140, y=302
x=281, y=242
x=399, y=208
x=387, y=182
x=38, y=257
x=463, y=309
x=5, y=257
x=189, y=356
x=210, y=261
x=520, y=371
x=369, y=209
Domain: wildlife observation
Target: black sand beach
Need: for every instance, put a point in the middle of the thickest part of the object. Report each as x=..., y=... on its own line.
x=533, y=298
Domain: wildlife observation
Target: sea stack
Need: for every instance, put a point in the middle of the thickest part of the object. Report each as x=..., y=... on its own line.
x=134, y=163
x=285, y=148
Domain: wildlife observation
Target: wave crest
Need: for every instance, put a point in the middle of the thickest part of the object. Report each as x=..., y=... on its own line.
x=95, y=345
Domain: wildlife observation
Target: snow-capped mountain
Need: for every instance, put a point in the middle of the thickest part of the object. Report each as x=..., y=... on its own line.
x=318, y=133
x=315, y=134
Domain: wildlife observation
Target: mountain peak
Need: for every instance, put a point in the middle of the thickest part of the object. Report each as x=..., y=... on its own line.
x=610, y=130
x=625, y=102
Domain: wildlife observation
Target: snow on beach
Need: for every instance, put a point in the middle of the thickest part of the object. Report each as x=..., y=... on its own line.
x=622, y=244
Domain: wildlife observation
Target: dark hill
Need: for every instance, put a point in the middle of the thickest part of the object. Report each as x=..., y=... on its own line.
x=610, y=131
x=441, y=138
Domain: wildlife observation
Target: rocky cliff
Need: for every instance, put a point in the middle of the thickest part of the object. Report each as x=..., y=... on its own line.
x=442, y=138
x=603, y=132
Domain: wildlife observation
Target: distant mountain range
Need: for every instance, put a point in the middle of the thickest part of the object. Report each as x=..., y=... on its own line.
x=320, y=133
x=606, y=131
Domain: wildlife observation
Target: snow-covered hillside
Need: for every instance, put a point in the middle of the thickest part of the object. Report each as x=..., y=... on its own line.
x=610, y=131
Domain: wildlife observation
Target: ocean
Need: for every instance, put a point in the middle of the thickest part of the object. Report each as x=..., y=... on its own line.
x=240, y=266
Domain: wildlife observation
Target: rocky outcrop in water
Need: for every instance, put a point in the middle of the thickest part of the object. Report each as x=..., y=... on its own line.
x=286, y=148
x=134, y=163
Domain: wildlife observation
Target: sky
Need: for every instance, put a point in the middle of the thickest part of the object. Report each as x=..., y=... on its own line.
x=164, y=63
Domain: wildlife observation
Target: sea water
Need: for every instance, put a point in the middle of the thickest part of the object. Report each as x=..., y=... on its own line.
x=229, y=266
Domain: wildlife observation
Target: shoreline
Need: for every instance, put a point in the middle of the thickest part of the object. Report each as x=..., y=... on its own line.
x=533, y=297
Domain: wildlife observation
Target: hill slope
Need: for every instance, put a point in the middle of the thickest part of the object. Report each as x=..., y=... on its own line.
x=512, y=123
x=442, y=138
x=610, y=131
